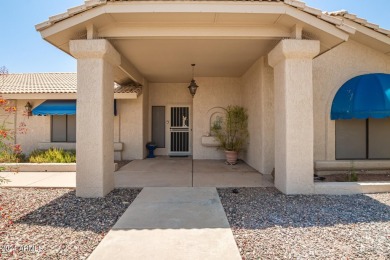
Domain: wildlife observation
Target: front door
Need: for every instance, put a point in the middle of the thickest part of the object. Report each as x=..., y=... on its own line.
x=179, y=131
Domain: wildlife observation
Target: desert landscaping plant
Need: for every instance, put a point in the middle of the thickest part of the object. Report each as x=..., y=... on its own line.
x=52, y=155
x=9, y=151
x=352, y=175
x=232, y=131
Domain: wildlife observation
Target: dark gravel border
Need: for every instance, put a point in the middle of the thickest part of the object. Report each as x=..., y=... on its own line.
x=54, y=223
x=270, y=225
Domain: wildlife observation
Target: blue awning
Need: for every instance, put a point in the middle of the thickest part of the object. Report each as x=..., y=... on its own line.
x=59, y=108
x=365, y=96
x=55, y=107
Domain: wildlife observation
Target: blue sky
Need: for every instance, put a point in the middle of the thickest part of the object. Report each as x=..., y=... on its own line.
x=23, y=50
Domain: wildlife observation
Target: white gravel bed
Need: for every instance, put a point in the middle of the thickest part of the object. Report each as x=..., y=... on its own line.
x=269, y=225
x=54, y=223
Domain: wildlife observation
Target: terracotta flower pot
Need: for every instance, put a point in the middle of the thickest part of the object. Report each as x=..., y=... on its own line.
x=231, y=157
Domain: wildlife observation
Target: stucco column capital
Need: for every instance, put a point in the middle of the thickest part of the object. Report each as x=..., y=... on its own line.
x=293, y=49
x=95, y=49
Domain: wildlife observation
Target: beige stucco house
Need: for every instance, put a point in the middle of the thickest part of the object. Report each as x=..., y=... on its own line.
x=282, y=60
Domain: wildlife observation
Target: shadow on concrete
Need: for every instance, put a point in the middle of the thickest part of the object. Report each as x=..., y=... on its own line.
x=261, y=208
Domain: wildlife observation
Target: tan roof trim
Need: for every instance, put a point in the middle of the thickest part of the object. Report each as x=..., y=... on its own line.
x=354, y=18
x=293, y=3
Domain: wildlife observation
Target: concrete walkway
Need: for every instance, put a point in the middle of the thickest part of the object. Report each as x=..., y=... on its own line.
x=171, y=223
x=164, y=172
x=184, y=172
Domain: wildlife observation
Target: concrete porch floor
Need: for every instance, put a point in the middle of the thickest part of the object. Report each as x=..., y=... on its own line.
x=185, y=172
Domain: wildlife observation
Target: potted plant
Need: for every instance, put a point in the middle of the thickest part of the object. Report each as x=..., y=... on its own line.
x=232, y=132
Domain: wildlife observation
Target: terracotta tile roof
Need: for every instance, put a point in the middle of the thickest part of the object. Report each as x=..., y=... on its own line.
x=24, y=83
x=336, y=20
x=38, y=83
x=128, y=89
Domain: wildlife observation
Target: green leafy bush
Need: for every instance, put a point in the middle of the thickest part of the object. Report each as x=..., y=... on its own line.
x=232, y=131
x=53, y=155
x=11, y=157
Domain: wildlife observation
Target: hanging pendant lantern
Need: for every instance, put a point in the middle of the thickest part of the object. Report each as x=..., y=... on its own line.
x=193, y=86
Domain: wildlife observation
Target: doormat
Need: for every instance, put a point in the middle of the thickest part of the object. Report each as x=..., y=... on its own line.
x=178, y=156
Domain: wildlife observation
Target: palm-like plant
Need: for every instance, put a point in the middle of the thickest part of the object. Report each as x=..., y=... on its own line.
x=232, y=131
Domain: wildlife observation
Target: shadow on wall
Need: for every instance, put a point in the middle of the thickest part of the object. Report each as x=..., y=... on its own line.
x=264, y=208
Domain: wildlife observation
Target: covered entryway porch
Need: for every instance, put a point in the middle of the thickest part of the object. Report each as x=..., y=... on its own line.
x=185, y=172
x=256, y=55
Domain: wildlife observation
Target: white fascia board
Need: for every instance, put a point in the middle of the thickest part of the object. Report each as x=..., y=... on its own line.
x=76, y=10
x=318, y=23
x=198, y=7
x=41, y=96
x=43, y=25
x=58, y=17
x=369, y=32
x=72, y=21
x=160, y=7
x=186, y=7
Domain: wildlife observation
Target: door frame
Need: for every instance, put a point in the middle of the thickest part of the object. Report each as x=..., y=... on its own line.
x=168, y=129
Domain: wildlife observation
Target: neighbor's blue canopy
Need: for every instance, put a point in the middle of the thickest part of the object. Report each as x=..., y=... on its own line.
x=365, y=96
x=59, y=108
x=55, y=107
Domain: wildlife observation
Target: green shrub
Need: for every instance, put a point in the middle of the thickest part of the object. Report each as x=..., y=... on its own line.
x=53, y=155
x=11, y=157
x=232, y=131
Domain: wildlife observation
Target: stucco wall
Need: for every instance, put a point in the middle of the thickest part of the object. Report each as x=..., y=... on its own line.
x=252, y=88
x=212, y=92
x=257, y=97
x=38, y=127
x=166, y=94
x=330, y=71
x=131, y=128
x=268, y=119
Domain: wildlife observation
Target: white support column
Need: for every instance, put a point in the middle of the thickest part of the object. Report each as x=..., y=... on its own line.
x=95, y=116
x=294, y=137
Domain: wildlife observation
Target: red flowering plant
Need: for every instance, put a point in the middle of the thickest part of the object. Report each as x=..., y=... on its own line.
x=10, y=152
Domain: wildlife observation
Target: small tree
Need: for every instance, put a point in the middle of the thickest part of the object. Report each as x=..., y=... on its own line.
x=232, y=131
x=9, y=151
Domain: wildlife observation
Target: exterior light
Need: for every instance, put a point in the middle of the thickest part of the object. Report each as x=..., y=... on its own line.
x=28, y=109
x=193, y=87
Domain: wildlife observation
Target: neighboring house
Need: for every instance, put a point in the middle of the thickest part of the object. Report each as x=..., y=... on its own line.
x=53, y=100
x=282, y=60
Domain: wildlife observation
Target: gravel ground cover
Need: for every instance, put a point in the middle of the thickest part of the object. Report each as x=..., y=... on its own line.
x=122, y=163
x=54, y=223
x=269, y=225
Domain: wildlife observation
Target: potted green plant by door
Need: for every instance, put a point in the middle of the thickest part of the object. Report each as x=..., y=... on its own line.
x=232, y=132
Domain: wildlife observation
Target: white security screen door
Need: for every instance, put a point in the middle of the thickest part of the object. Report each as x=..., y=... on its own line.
x=179, y=130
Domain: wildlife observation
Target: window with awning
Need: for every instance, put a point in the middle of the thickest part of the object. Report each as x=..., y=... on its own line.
x=63, y=118
x=361, y=109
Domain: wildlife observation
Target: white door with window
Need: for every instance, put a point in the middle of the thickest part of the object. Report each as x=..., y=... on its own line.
x=179, y=130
